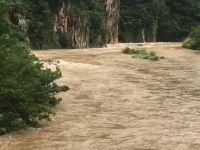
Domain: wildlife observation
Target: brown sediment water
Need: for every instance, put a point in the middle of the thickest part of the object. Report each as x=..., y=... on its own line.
x=120, y=103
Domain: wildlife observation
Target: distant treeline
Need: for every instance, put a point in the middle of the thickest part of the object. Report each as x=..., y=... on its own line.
x=157, y=20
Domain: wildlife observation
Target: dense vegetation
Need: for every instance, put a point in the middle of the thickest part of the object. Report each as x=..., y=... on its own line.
x=27, y=90
x=159, y=20
x=140, y=20
x=92, y=16
x=193, y=41
x=142, y=53
x=38, y=17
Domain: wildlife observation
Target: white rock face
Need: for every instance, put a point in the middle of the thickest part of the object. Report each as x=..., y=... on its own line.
x=76, y=32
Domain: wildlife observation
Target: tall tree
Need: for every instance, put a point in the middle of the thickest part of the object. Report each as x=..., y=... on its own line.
x=164, y=20
x=27, y=89
x=181, y=17
x=140, y=17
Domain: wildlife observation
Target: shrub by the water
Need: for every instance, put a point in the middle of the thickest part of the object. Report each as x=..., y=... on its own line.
x=27, y=90
x=193, y=41
x=142, y=53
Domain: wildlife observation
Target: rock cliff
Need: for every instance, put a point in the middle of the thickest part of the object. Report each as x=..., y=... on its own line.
x=112, y=14
x=68, y=23
x=75, y=29
x=70, y=30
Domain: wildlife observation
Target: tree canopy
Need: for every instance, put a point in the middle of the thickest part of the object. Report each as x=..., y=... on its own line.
x=27, y=89
x=168, y=20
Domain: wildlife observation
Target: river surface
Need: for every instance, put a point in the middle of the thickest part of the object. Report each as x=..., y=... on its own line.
x=120, y=103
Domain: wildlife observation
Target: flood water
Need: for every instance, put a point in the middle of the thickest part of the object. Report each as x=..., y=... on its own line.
x=120, y=103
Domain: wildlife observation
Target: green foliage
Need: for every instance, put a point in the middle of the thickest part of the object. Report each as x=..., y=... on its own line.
x=174, y=18
x=92, y=17
x=85, y=15
x=164, y=20
x=5, y=25
x=142, y=53
x=128, y=50
x=27, y=90
x=3, y=19
x=193, y=41
x=137, y=15
x=37, y=16
x=97, y=27
x=195, y=33
x=178, y=22
x=40, y=24
x=189, y=43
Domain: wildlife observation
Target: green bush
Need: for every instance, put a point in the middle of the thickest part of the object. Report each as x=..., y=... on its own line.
x=193, y=41
x=142, y=53
x=128, y=50
x=190, y=43
x=27, y=90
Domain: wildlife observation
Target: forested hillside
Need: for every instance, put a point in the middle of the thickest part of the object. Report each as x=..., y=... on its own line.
x=157, y=20
x=94, y=23
x=66, y=23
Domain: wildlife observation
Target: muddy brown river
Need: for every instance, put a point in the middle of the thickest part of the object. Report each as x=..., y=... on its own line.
x=120, y=103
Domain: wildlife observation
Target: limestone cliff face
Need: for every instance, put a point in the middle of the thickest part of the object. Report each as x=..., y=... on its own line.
x=73, y=31
x=112, y=11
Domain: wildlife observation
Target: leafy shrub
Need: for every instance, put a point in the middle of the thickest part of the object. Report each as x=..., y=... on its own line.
x=142, y=53
x=27, y=90
x=128, y=50
x=190, y=43
x=193, y=41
